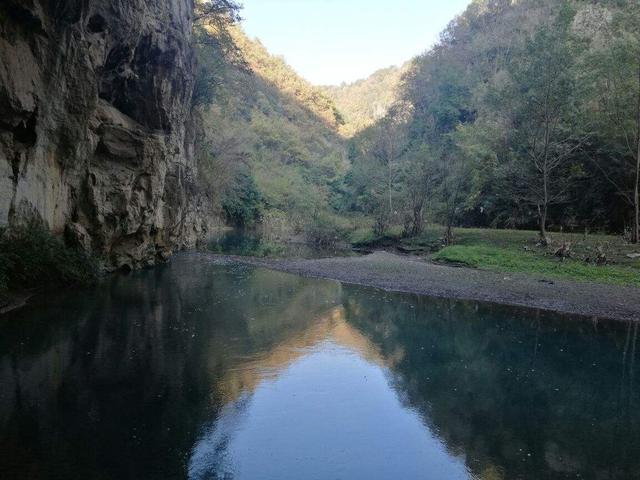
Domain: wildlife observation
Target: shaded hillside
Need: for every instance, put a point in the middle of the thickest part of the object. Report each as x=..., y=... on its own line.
x=364, y=102
x=271, y=144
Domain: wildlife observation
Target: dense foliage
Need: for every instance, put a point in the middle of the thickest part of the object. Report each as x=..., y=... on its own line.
x=270, y=153
x=524, y=114
x=31, y=257
x=364, y=102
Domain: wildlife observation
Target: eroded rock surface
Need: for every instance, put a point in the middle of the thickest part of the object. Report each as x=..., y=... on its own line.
x=95, y=125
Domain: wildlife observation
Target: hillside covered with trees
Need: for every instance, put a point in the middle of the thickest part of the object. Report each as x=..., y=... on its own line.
x=525, y=114
x=364, y=102
x=269, y=148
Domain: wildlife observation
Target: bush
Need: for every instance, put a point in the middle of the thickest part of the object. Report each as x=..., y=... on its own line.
x=31, y=257
x=326, y=230
x=276, y=226
x=242, y=202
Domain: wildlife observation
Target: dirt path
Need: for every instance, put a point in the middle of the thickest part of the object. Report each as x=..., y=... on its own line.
x=406, y=274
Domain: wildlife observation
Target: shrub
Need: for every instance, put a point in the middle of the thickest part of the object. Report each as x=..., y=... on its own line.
x=242, y=202
x=326, y=230
x=31, y=257
x=276, y=226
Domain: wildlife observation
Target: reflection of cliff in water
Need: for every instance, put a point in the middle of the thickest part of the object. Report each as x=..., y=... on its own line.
x=520, y=395
x=117, y=379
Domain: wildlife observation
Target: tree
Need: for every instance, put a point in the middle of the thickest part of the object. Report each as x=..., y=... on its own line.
x=241, y=200
x=438, y=89
x=541, y=104
x=376, y=170
x=615, y=63
x=387, y=151
x=419, y=177
x=214, y=46
x=216, y=14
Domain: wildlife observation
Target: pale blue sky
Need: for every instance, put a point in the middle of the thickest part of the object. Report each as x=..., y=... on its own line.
x=330, y=41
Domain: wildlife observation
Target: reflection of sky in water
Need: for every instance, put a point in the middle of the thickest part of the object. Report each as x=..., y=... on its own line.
x=330, y=414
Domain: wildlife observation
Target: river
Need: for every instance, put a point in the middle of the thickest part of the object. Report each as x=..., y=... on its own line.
x=198, y=370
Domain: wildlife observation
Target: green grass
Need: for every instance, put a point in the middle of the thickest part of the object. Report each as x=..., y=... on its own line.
x=517, y=251
x=502, y=259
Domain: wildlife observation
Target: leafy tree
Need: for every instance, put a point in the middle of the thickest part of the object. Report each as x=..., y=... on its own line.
x=378, y=167
x=241, y=201
x=419, y=177
x=214, y=46
x=539, y=101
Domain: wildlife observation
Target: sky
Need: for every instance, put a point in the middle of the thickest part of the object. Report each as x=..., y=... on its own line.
x=333, y=41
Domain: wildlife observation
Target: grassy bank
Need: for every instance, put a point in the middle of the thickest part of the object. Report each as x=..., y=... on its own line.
x=590, y=258
x=534, y=263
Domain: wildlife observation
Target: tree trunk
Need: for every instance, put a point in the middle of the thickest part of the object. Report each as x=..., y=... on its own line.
x=545, y=180
x=418, y=220
x=636, y=193
x=448, y=236
x=543, y=225
x=636, y=201
x=390, y=187
x=542, y=212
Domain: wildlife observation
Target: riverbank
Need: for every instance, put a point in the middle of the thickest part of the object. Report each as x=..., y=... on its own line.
x=399, y=273
x=592, y=258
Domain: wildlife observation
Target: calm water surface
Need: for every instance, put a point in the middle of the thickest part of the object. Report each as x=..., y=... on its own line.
x=201, y=371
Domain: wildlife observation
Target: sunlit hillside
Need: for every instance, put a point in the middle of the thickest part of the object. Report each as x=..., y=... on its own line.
x=366, y=101
x=271, y=143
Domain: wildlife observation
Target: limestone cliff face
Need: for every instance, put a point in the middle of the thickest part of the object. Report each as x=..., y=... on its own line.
x=95, y=135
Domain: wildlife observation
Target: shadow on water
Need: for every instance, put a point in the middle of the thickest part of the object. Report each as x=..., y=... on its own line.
x=196, y=370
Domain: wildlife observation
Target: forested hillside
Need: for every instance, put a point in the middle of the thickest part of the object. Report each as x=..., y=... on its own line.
x=366, y=101
x=525, y=114
x=270, y=146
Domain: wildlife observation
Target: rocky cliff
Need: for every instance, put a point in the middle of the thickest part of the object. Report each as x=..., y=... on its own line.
x=95, y=125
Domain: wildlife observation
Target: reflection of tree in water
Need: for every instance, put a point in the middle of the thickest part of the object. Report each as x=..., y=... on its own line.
x=114, y=382
x=210, y=456
x=520, y=395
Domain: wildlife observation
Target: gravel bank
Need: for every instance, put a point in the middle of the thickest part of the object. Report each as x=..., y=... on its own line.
x=407, y=274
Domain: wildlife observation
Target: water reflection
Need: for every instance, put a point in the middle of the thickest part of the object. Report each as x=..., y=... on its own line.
x=320, y=406
x=201, y=371
x=522, y=395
